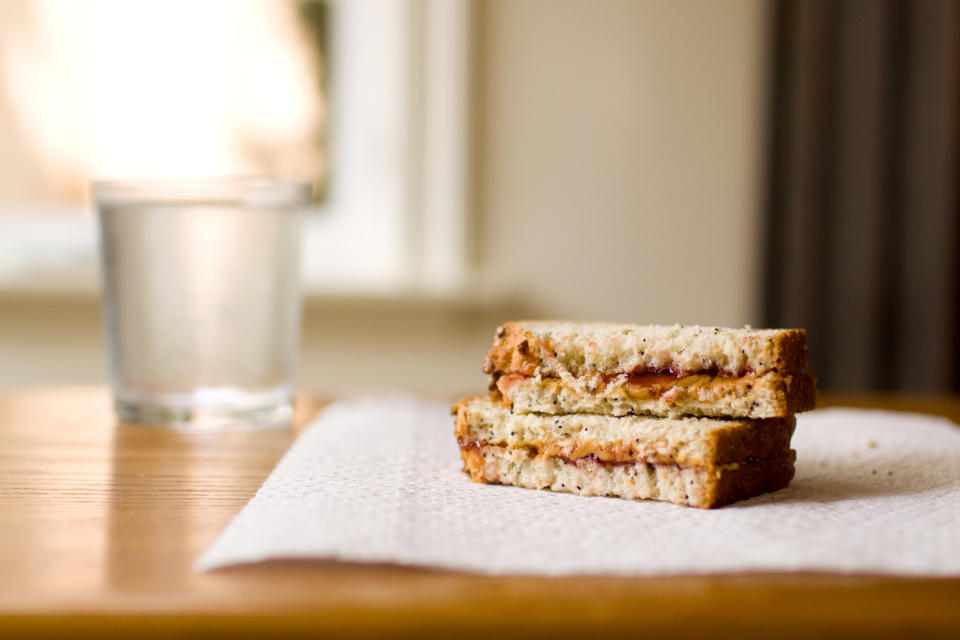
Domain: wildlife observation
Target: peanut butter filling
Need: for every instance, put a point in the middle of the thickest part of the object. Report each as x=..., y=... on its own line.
x=640, y=385
x=602, y=456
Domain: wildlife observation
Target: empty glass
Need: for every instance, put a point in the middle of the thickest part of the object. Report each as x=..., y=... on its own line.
x=202, y=299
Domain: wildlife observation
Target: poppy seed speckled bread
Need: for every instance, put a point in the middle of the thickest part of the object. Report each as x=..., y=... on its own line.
x=618, y=369
x=688, y=486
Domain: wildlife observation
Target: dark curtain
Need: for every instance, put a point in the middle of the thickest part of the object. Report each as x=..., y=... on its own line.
x=863, y=207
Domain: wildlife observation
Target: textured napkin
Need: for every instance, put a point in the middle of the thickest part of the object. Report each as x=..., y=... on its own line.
x=379, y=480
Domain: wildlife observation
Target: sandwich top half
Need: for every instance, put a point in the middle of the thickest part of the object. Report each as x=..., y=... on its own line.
x=620, y=369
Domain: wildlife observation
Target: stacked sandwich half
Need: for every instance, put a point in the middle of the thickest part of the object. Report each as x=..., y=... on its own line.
x=699, y=416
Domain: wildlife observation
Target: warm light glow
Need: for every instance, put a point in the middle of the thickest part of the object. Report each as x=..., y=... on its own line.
x=172, y=88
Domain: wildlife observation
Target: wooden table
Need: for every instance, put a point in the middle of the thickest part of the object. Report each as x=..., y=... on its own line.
x=99, y=525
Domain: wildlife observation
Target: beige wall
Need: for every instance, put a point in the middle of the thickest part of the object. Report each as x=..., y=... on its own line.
x=348, y=346
x=617, y=178
x=621, y=147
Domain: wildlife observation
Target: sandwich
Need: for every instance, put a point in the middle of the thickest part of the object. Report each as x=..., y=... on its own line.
x=617, y=369
x=697, y=416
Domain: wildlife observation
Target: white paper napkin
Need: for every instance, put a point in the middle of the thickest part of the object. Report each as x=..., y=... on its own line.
x=379, y=480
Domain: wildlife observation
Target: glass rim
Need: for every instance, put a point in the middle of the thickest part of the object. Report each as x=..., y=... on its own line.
x=251, y=191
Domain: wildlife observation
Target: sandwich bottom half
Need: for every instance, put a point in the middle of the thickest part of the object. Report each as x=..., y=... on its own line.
x=699, y=462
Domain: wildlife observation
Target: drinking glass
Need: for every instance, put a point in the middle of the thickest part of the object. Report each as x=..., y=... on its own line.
x=202, y=299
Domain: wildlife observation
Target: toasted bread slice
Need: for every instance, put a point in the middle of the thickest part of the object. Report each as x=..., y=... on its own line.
x=561, y=349
x=704, y=487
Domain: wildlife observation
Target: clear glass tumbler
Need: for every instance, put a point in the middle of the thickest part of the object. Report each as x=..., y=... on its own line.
x=202, y=299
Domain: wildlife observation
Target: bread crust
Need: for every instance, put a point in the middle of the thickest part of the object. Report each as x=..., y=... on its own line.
x=560, y=349
x=688, y=442
x=690, y=486
x=771, y=395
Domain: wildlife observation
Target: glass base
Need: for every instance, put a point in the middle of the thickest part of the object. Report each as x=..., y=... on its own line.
x=208, y=409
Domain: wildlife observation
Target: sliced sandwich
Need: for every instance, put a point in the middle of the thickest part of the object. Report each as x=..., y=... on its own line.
x=700, y=462
x=618, y=369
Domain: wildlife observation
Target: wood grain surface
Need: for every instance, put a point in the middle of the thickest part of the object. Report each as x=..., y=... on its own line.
x=100, y=523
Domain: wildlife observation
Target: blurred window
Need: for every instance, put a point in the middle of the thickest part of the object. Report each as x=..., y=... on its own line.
x=179, y=88
x=157, y=88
